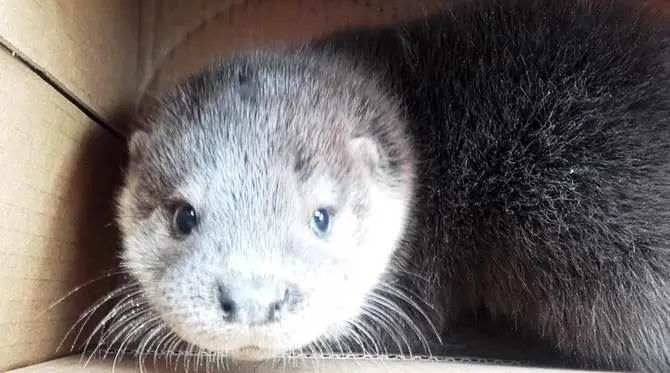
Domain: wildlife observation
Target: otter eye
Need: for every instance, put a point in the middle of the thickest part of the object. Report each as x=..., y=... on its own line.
x=185, y=219
x=321, y=221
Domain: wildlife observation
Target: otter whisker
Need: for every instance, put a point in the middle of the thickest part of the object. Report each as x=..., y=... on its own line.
x=356, y=331
x=225, y=362
x=313, y=352
x=386, y=321
x=188, y=357
x=389, y=310
x=120, y=353
x=395, y=289
x=218, y=362
x=320, y=353
x=192, y=358
x=174, y=349
x=286, y=358
x=199, y=354
x=79, y=288
x=337, y=339
x=403, y=291
x=125, y=293
x=385, y=314
x=377, y=315
x=209, y=363
x=374, y=345
x=410, y=273
x=157, y=346
x=347, y=336
x=330, y=350
x=135, y=332
x=319, y=346
x=120, y=325
x=409, y=321
x=85, y=317
x=164, y=348
x=197, y=357
x=150, y=338
x=119, y=328
x=122, y=328
x=126, y=303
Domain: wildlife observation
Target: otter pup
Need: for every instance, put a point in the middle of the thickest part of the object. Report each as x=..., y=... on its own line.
x=358, y=192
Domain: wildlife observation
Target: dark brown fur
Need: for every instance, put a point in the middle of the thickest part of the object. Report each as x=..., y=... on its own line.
x=543, y=134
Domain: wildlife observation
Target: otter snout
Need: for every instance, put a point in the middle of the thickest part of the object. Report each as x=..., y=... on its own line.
x=256, y=302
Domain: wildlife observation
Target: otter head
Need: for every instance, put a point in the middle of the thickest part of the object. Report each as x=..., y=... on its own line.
x=265, y=198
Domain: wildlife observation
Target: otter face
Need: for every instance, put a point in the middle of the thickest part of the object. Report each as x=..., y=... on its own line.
x=263, y=202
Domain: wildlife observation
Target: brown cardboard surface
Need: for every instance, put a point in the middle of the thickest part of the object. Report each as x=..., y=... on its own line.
x=75, y=365
x=188, y=34
x=89, y=47
x=57, y=170
x=164, y=24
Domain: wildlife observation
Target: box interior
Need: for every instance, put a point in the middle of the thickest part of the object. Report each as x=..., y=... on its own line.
x=70, y=72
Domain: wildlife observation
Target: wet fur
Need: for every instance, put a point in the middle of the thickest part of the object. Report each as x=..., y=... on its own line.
x=542, y=141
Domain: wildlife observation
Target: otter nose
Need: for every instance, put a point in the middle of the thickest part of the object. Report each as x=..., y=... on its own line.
x=255, y=303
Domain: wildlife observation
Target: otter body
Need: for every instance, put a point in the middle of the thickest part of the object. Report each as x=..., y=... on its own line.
x=363, y=190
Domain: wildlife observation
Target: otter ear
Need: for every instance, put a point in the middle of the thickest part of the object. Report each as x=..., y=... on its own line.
x=365, y=150
x=137, y=144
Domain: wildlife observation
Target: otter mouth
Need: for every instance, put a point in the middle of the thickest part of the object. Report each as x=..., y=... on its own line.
x=252, y=353
x=249, y=348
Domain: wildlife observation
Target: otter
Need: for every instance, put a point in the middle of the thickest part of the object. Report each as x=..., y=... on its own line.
x=360, y=191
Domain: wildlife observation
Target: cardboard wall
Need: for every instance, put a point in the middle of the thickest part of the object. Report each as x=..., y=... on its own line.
x=57, y=170
x=65, y=68
x=184, y=35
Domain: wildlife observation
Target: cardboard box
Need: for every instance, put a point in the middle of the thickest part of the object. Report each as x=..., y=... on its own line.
x=68, y=69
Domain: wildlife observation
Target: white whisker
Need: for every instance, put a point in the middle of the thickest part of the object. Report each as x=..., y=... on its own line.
x=77, y=289
x=88, y=313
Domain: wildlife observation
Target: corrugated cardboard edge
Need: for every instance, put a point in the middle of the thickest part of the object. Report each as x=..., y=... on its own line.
x=73, y=364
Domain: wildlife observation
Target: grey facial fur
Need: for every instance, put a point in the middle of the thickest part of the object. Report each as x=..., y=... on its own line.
x=256, y=153
x=508, y=155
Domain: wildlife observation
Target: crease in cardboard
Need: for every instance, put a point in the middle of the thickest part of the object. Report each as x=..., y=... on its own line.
x=57, y=85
